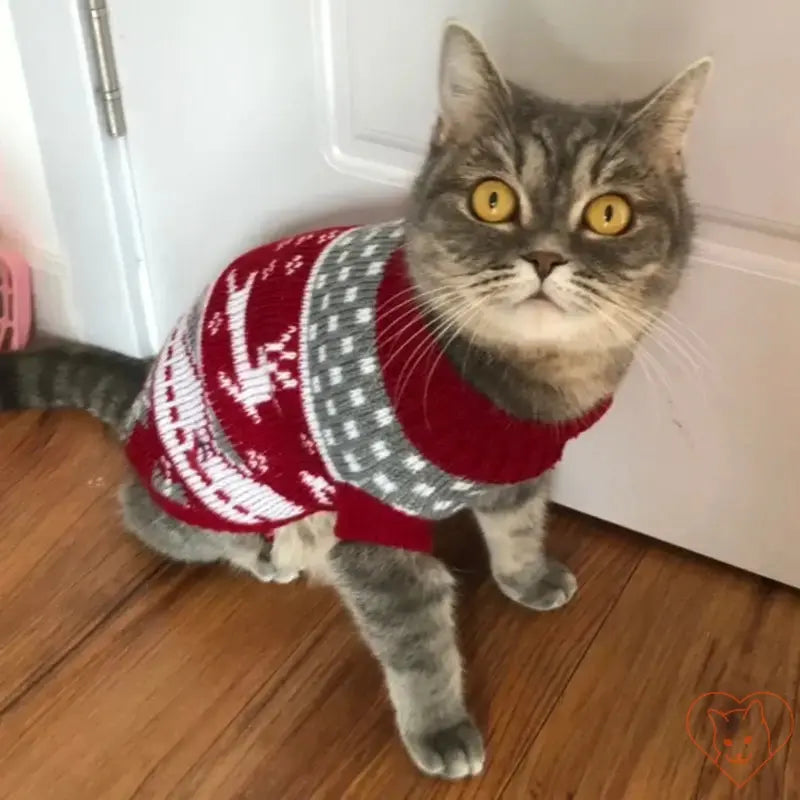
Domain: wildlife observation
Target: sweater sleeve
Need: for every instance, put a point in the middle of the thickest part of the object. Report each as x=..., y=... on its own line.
x=362, y=518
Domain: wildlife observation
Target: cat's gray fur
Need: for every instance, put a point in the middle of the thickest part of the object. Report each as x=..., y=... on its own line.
x=70, y=376
x=536, y=362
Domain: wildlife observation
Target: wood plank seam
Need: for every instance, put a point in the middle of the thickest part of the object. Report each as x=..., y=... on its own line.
x=75, y=647
x=512, y=772
x=304, y=647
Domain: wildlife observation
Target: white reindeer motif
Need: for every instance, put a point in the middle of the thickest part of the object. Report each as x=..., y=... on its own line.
x=252, y=384
x=229, y=490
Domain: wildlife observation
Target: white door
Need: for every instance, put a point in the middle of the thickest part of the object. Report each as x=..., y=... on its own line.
x=251, y=118
x=228, y=106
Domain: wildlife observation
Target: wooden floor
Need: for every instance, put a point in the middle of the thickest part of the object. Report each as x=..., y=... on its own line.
x=122, y=676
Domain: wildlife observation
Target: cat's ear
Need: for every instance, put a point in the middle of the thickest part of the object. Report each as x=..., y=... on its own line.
x=471, y=90
x=663, y=121
x=755, y=710
x=716, y=716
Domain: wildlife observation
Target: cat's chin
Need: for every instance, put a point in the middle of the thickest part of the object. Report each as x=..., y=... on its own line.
x=539, y=322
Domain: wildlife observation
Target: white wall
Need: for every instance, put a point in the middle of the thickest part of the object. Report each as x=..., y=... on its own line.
x=26, y=216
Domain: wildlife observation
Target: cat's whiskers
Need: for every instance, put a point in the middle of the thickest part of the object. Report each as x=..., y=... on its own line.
x=671, y=343
x=682, y=350
x=414, y=295
x=410, y=304
x=404, y=345
x=411, y=307
x=657, y=318
x=609, y=140
x=470, y=315
x=426, y=346
x=673, y=334
x=459, y=311
x=423, y=345
x=470, y=345
x=628, y=340
x=701, y=344
x=638, y=347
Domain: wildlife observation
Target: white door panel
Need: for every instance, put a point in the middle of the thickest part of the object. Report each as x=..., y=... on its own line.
x=224, y=136
x=254, y=117
x=384, y=85
x=707, y=456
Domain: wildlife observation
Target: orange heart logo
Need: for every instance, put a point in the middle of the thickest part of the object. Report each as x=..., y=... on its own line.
x=740, y=735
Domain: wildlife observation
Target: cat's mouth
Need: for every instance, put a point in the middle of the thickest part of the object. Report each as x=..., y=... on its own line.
x=541, y=299
x=737, y=759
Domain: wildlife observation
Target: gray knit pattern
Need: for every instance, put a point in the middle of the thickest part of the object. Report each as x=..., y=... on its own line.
x=348, y=409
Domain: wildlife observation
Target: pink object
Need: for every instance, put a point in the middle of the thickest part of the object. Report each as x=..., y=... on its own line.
x=15, y=301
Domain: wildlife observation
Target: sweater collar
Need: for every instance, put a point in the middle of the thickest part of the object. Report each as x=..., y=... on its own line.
x=440, y=411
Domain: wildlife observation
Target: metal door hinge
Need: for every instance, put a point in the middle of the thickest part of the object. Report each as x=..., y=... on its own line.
x=110, y=95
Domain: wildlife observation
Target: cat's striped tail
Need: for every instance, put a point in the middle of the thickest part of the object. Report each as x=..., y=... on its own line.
x=103, y=383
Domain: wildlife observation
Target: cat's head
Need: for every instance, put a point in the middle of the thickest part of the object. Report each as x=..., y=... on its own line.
x=540, y=223
x=740, y=734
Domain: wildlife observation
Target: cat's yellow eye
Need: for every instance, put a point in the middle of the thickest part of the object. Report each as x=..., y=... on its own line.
x=494, y=201
x=608, y=215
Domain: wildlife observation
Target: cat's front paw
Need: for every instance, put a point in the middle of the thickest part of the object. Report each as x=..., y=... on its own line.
x=261, y=566
x=545, y=590
x=267, y=572
x=453, y=752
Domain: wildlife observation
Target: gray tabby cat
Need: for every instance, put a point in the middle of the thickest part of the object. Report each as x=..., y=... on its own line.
x=543, y=308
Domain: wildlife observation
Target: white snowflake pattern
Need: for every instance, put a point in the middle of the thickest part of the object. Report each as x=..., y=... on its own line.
x=293, y=264
x=269, y=269
x=322, y=491
x=320, y=237
x=281, y=353
x=216, y=322
x=308, y=444
x=257, y=462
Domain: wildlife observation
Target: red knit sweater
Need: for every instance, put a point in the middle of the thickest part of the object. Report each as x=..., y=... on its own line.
x=307, y=381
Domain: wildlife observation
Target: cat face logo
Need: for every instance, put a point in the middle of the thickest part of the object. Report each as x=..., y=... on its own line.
x=740, y=735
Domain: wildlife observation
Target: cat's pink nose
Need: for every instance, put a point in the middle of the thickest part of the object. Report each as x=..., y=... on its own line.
x=545, y=261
